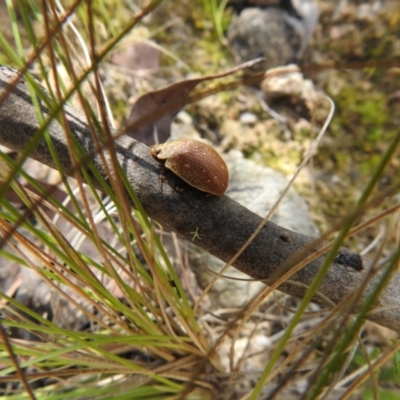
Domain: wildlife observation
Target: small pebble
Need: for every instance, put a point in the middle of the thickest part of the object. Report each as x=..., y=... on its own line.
x=248, y=118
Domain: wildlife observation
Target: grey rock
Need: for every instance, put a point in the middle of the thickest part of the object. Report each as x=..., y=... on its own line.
x=273, y=33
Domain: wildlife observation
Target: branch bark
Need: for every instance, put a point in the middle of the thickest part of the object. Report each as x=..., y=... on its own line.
x=222, y=224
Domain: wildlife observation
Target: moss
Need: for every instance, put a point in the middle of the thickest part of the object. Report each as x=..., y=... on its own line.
x=361, y=110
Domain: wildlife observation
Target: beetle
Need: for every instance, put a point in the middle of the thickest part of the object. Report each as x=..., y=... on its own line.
x=195, y=162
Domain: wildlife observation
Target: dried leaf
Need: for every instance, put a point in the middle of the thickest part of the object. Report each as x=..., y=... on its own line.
x=156, y=126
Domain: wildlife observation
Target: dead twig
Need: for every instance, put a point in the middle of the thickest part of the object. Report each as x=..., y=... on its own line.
x=223, y=225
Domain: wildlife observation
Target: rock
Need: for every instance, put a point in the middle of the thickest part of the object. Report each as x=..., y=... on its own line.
x=248, y=118
x=288, y=82
x=273, y=33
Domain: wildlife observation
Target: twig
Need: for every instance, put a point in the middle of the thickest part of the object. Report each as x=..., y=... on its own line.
x=223, y=225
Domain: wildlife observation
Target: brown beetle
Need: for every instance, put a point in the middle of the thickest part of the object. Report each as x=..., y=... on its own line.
x=197, y=163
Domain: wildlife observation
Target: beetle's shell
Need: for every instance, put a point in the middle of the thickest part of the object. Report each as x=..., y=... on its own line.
x=197, y=163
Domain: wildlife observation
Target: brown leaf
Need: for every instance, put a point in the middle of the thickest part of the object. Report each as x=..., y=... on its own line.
x=170, y=100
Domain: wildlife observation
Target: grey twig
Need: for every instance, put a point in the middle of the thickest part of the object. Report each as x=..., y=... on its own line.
x=222, y=224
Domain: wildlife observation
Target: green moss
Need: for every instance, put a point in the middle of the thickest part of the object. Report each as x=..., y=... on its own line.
x=362, y=110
